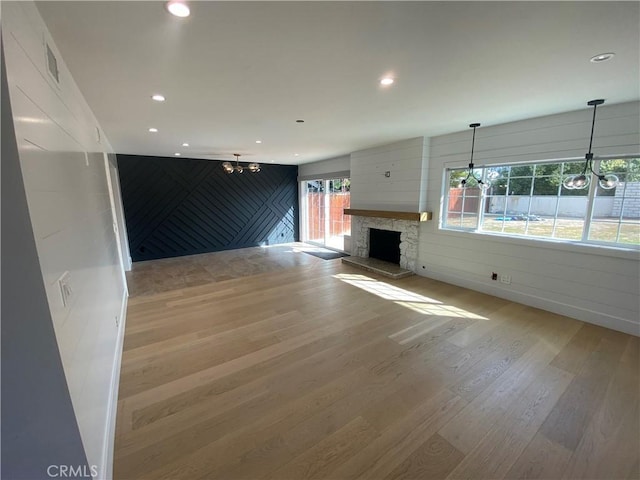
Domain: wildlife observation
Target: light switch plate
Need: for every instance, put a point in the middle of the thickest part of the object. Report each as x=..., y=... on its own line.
x=64, y=283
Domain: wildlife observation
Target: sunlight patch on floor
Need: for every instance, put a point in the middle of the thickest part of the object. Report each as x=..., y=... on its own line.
x=441, y=310
x=414, y=301
x=383, y=289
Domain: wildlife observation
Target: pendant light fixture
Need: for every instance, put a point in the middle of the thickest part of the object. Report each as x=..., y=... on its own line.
x=484, y=186
x=229, y=168
x=582, y=180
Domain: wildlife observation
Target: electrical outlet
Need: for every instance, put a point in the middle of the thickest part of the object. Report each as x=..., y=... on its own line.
x=494, y=276
x=505, y=279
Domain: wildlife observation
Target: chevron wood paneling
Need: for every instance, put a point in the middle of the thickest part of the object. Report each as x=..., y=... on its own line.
x=177, y=207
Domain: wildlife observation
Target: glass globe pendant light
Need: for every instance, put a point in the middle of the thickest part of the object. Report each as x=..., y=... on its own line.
x=582, y=180
x=484, y=186
x=229, y=168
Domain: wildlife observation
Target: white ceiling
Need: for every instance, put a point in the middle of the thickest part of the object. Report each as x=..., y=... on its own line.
x=235, y=72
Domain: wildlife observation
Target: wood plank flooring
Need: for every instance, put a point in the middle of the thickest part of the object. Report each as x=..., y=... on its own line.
x=323, y=371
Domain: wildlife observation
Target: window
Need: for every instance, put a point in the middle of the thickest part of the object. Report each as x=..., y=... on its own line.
x=530, y=200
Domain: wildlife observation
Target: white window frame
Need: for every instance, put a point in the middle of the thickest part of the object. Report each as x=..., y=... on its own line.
x=480, y=212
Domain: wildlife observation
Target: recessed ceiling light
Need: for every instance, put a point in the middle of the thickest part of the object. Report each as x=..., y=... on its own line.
x=179, y=9
x=177, y=154
x=153, y=130
x=296, y=154
x=185, y=144
x=386, y=81
x=258, y=141
x=602, y=57
x=158, y=98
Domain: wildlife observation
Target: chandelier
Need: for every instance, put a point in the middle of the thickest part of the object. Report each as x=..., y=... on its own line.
x=582, y=180
x=484, y=185
x=228, y=167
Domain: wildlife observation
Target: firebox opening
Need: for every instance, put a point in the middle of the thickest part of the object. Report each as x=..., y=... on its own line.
x=384, y=245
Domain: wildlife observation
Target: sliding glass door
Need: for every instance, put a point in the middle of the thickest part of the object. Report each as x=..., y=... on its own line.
x=323, y=219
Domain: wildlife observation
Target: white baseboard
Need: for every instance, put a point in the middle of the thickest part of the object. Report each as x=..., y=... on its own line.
x=106, y=472
x=596, y=318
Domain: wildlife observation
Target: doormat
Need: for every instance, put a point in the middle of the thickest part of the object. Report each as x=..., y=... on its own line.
x=327, y=255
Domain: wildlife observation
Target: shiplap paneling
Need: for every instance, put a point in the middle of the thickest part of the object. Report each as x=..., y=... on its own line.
x=594, y=284
x=184, y=206
x=401, y=191
x=64, y=173
x=325, y=169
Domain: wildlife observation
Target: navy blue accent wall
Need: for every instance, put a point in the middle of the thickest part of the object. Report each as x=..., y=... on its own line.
x=185, y=206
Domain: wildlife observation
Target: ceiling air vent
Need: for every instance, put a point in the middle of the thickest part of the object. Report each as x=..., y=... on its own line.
x=52, y=64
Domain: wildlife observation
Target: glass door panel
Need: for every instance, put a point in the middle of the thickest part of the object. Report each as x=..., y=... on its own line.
x=324, y=221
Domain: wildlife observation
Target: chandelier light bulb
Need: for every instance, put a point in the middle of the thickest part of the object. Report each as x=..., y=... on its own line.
x=568, y=182
x=607, y=182
x=580, y=181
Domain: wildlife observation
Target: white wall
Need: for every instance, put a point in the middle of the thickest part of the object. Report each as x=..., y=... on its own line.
x=403, y=189
x=330, y=168
x=593, y=284
x=66, y=186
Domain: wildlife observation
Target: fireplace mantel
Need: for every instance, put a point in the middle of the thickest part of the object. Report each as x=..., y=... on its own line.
x=412, y=216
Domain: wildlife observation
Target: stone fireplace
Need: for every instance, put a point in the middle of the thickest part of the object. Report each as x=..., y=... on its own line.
x=360, y=226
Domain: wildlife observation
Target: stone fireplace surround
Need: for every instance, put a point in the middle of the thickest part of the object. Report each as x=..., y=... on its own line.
x=408, y=229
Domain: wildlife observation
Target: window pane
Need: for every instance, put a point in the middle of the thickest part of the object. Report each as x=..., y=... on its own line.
x=630, y=203
x=522, y=171
x=469, y=221
x=315, y=211
x=492, y=222
x=616, y=212
x=571, y=168
x=462, y=202
x=540, y=227
x=546, y=185
x=520, y=186
x=630, y=233
x=570, y=217
x=603, y=231
x=569, y=228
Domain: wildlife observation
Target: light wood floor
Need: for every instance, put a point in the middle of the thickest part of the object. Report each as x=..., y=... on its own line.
x=325, y=371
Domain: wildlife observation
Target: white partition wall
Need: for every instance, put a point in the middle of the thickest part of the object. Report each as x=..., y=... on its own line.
x=61, y=148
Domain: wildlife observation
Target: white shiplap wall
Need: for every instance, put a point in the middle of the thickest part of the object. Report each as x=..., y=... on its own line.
x=325, y=168
x=593, y=284
x=65, y=178
x=403, y=190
